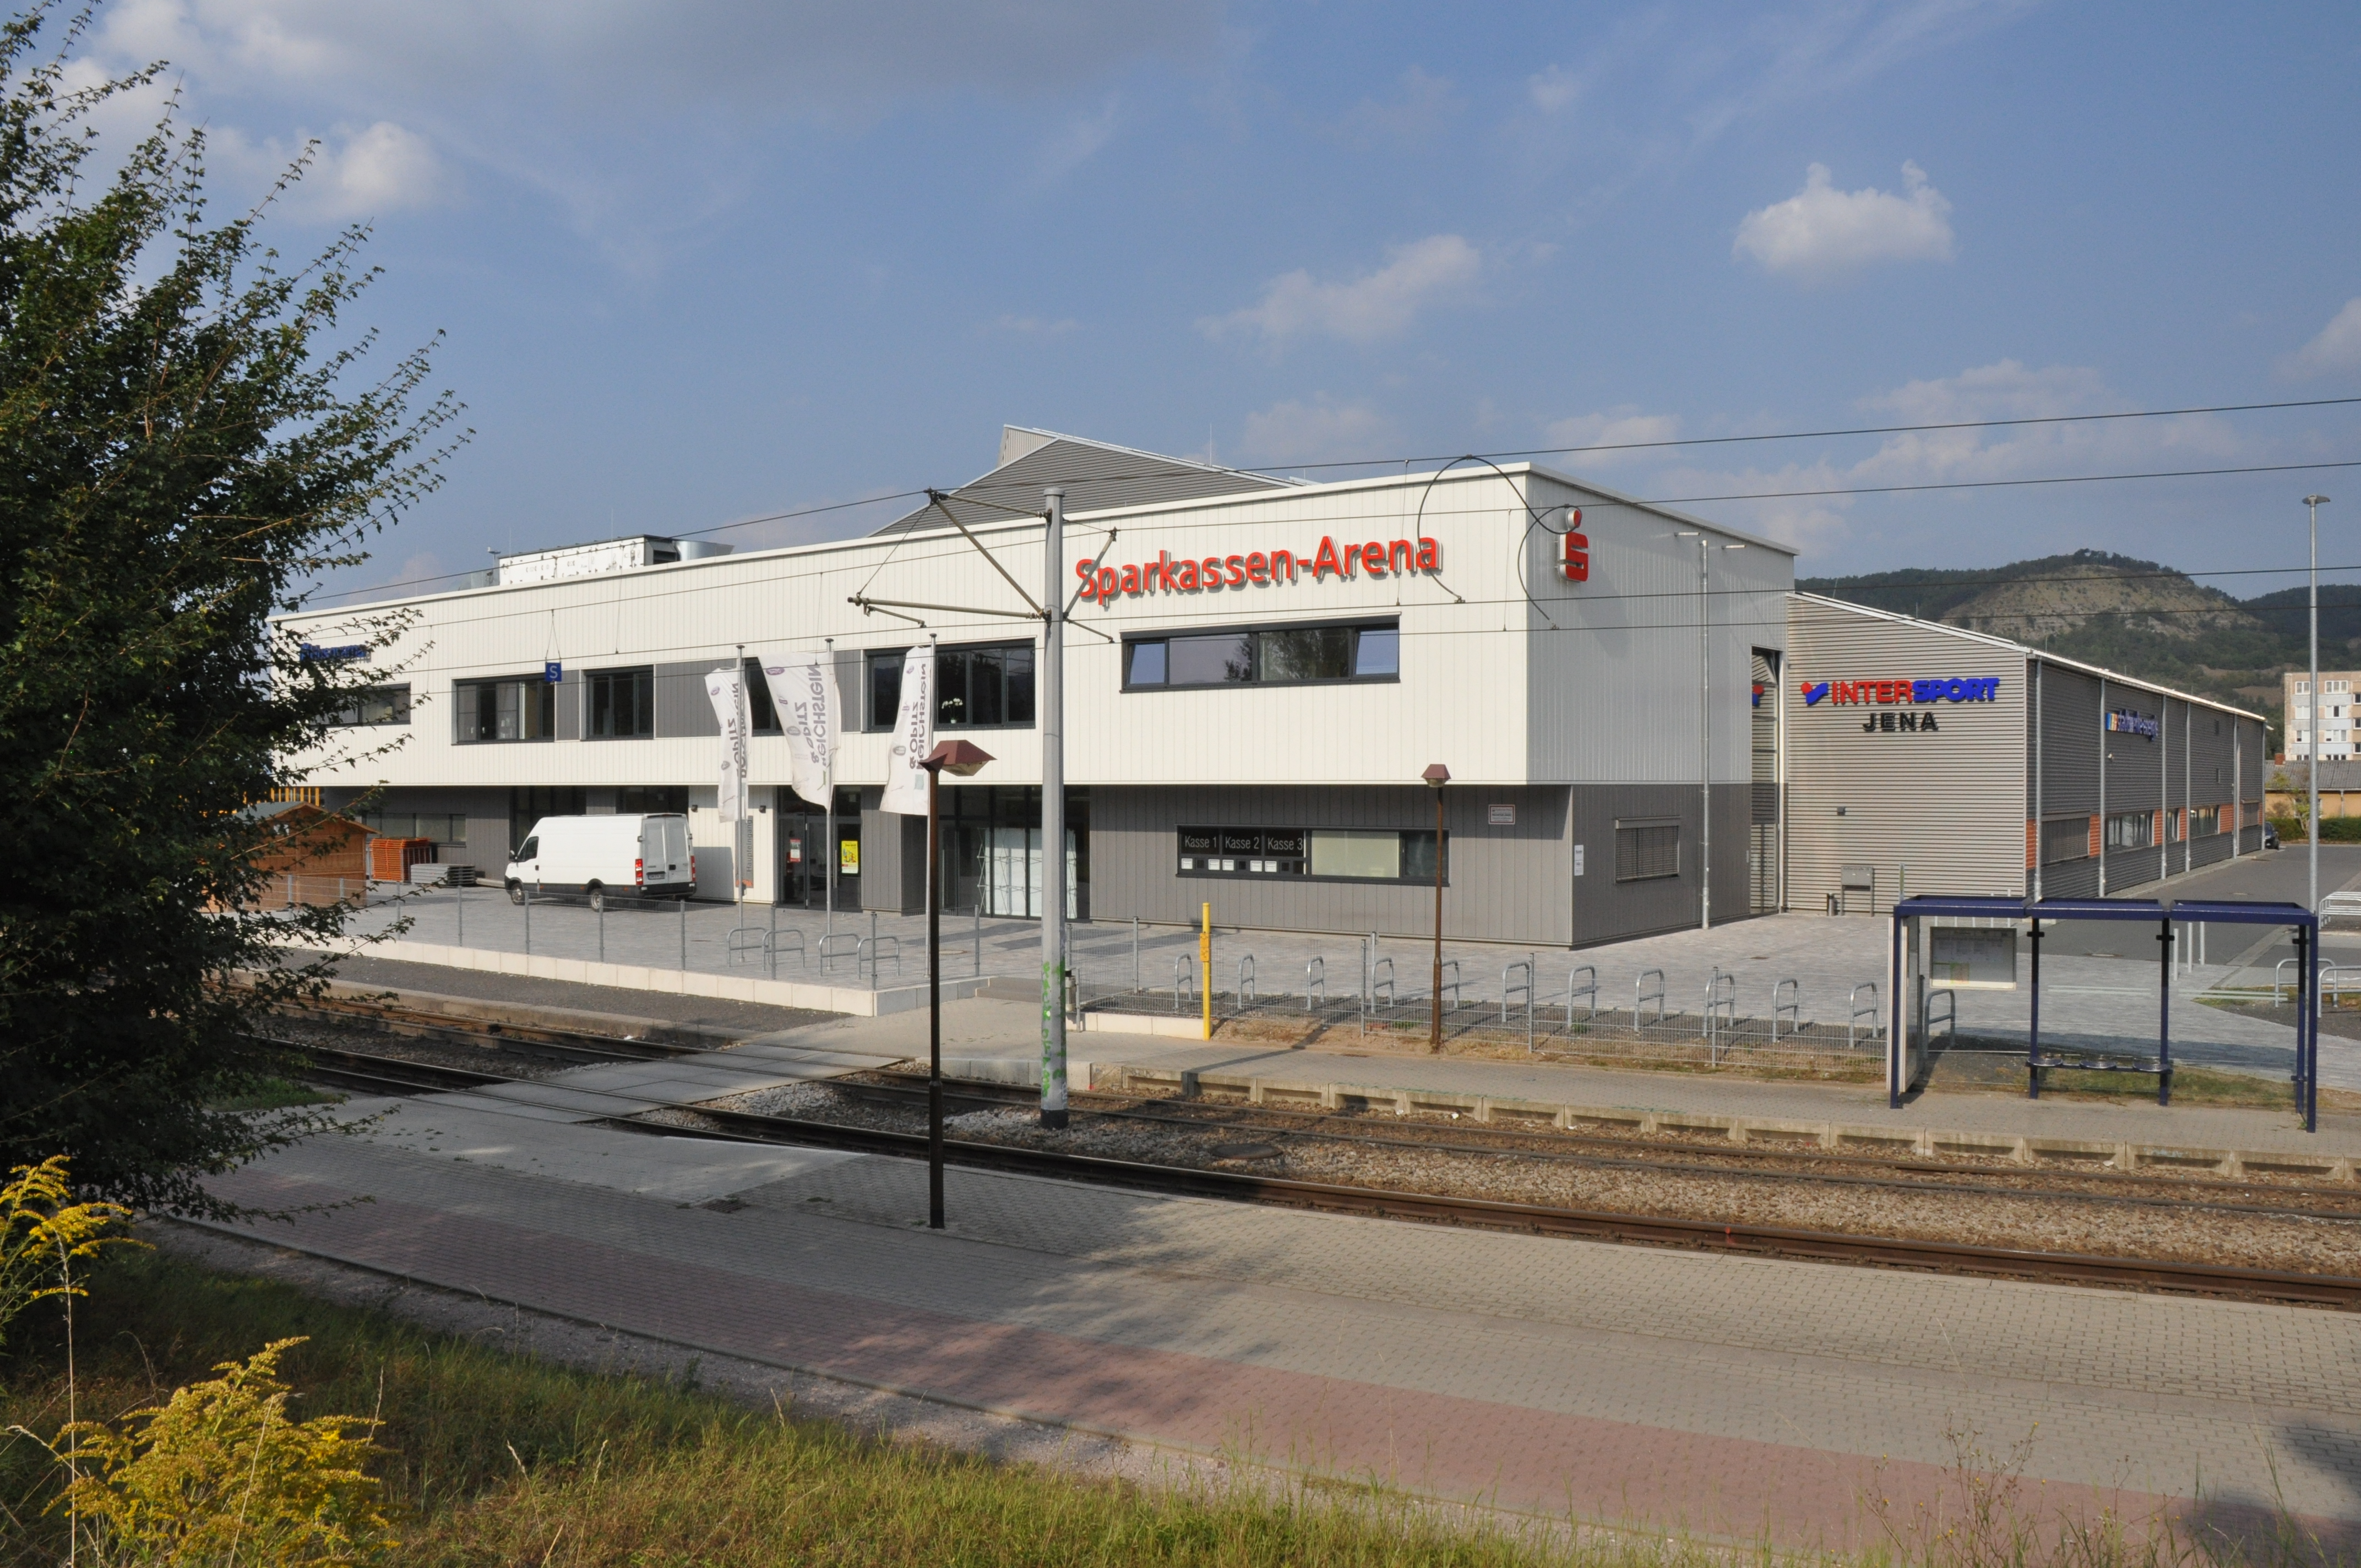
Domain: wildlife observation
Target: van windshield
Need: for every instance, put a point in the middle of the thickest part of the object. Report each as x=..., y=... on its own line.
x=532, y=848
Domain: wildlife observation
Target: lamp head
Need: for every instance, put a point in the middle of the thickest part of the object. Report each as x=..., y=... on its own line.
x=2316, y=500
x=962, y=757
x=1436, y=775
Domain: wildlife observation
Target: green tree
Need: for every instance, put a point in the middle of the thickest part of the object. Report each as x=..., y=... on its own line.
x=185, y=440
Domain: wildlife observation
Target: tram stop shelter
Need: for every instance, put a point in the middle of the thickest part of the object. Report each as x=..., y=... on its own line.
x=1943, y=944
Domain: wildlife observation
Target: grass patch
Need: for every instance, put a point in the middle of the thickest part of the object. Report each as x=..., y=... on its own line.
x=2190, y=1086
x=275, y=1094
x=495, y=1458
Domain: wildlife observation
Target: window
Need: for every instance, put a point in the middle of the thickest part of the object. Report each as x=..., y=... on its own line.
x=1644, y=850
x=2065, y=838
x=384, y=704
x=975, y=687
x=448, y=829
x=2131, y=829
x=1280, y=655
x=524, y=709
x=623, y=704
x=637, y=800
x=1338, y=855
x=2205, y=821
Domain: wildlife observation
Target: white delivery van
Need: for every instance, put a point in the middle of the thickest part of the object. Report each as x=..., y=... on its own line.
x=598, y=855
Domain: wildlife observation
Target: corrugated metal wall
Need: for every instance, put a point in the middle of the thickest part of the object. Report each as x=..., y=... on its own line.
x=1606, y=910
x=1935, y=812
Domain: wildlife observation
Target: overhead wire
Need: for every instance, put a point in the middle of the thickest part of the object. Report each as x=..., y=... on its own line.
x=968, y=491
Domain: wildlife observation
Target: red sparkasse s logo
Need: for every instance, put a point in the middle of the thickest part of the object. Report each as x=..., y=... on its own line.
x=1377, y=558
x=1576, y=565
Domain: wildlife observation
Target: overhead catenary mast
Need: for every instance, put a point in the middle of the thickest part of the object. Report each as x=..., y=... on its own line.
x=1053, y=810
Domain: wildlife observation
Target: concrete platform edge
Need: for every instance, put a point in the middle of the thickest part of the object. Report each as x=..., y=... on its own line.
x=856, y=1001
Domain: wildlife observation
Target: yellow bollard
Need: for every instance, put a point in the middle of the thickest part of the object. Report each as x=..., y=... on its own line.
x=1205, y=967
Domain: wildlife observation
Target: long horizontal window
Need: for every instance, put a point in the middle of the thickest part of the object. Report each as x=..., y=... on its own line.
x=2205, y=821
x=385, y=705
x=1278, y=655
x=623, y=704
x=2131, y=830
x=524, y=709
x=1332, y=854
x=988, y=688
x=448, y=829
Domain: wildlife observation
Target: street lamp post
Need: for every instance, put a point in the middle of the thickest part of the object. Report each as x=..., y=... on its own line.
x=1437, y=775
x=2311, y=822
x=961, y=757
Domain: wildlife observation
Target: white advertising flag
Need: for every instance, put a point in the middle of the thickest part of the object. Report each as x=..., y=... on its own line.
x=914, y=736
x=722, y=688
x=803, y=690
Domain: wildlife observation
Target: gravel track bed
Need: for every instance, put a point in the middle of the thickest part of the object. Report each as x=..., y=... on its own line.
x=2330, y=1243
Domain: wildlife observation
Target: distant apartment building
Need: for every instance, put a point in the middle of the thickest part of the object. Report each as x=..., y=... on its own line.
x=2332, y=712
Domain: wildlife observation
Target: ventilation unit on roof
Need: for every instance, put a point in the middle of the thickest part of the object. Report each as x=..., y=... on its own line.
x=608, y=555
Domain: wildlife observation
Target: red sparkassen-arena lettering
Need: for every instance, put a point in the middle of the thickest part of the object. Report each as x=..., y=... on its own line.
x=1258, y=569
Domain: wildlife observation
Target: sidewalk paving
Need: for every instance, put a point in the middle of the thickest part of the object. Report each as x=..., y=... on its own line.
x=1729, y=1396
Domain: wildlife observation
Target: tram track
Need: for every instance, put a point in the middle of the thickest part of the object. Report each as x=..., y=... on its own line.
x=375, y=1074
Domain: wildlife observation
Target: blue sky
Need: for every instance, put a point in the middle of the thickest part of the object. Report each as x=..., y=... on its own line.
x=700, y=262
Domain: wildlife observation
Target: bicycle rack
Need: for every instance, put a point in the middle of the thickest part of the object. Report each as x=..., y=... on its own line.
x=1532, y=966
x=1452, y=984
x=1382, y=982
x=1793, y=1007
x=1508, y=985
x=1184, y=972
x=1245, y=981
x=1950, y=1016
x=829, y=954
x=876, y=950
x=1855, y=1011
x=1315, y=982
x=750, y=942
x=2279, y=969
x=1720, y=1004
x=1573, y=990
x=1640, y=995
x=779, y=943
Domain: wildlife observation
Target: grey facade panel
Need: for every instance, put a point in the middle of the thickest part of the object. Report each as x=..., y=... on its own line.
x=1606, y=909
x=2068, y=750
x=569, y=706
x=682, y=707
x=1508, y=883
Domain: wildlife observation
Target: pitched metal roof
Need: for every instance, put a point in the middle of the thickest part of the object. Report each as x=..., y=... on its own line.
x=1097, y=475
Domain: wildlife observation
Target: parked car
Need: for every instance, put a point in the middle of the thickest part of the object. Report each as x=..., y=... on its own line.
x=2270, y=837
x=598, y=855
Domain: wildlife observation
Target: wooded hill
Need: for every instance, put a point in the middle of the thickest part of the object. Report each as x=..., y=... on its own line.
x=2139, y=617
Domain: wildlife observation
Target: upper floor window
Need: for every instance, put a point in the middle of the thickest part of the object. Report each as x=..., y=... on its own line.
x=975, y=687
x=522, y=709
x=1280, y=656
x=383, y=704
x=623, y=704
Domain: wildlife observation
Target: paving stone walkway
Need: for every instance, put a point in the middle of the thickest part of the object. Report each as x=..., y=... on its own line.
x=1727, y=1396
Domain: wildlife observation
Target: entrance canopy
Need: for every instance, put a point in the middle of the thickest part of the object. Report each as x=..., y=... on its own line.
x=1914, y=986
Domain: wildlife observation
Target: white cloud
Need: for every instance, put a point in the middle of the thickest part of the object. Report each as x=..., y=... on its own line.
x=1624, y=426
x=1077, y=143
x=1553, y=88
x=2005, y=390
x=1317, y=432
x=381, y=169
x=1821, y=232
x=1379, y=304
x=2336, y=349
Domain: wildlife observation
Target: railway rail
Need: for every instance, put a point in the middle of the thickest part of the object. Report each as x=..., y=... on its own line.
x=391, y=1075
